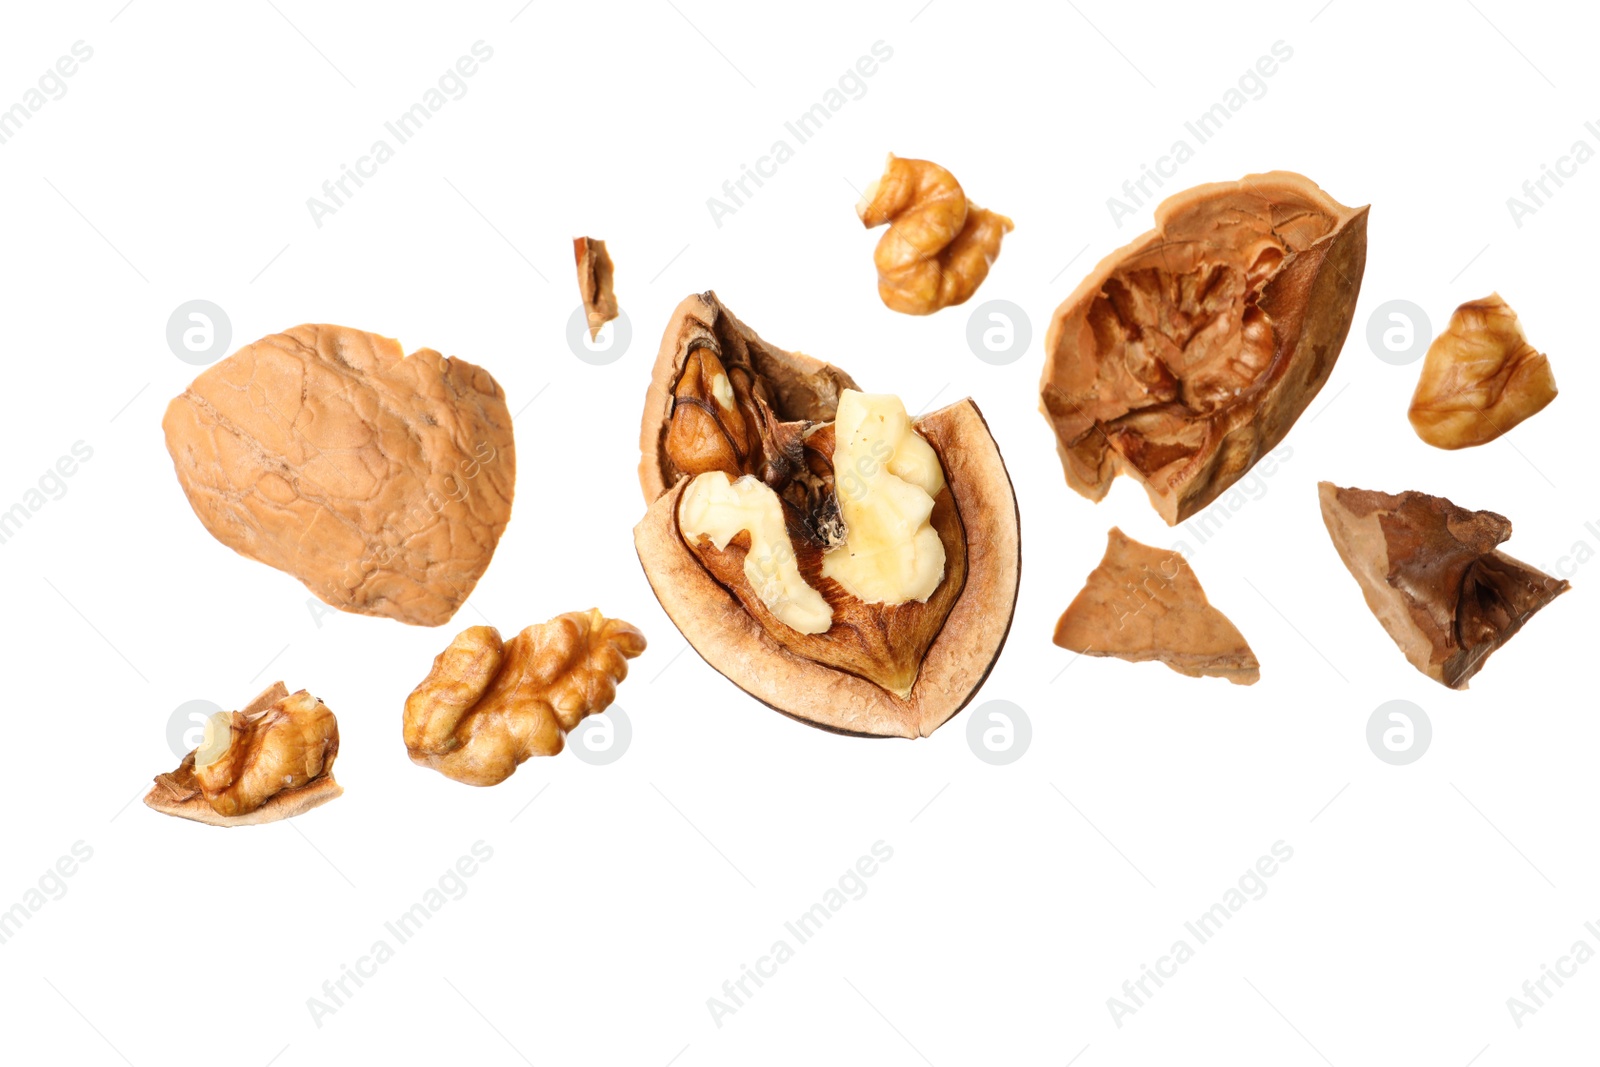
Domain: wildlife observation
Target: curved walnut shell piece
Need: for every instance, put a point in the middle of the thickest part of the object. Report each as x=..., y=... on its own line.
x=595, y=274
x=487, y=706
x=939, y=246
x=1432, y=574
x=277, y=763
x=1186, y=356
x=380, y=480
x=1480, y=378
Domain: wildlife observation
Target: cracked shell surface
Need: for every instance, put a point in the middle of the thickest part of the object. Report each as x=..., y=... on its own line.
x=382, y=481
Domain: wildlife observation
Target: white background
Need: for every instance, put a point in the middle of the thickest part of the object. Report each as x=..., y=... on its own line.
x=1019, y=898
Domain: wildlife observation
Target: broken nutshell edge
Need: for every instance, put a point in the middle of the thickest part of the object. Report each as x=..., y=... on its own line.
x=1187, y=434
x=1145, y=604
x=1432, y=574
x=595, y=273
x=177, y=792
x=487, y=706
x=733, y=642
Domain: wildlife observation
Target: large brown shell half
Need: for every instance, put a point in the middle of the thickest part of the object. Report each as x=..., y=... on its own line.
x=1186, y=356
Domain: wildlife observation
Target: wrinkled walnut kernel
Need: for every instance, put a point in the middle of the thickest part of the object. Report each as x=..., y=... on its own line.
x=284, y=747
x=939, y=245
x=271, y=760
x=487, y=706
x=1480, y=378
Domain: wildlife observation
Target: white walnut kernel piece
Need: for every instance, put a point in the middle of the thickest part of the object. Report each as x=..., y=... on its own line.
x=719, y=510
x=886, y=477
x=486, y=707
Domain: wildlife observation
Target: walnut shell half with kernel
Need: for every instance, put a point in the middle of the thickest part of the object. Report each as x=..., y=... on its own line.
x=1186, y=356
x=271, y=760
x=823, y=605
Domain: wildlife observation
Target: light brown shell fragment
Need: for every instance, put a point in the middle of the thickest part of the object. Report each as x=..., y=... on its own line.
x=1432, y=574
x=939, y=245
x=1186, y=356
x=275, y=763
x=487, y=706
x=594, y=283
x=896, y=671
x=1480, y=378
x=1143, y=603
x=381, y=481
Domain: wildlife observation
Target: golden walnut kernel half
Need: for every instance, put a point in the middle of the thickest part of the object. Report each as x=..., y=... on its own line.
x=1433, y=575
x=486, y=706
x=1481, y=377
x=1186, y=356
x=270, y=761
x=380, y=480
x=939, y=245
x=1143, y=603
x=594, y=282
x=837, y=559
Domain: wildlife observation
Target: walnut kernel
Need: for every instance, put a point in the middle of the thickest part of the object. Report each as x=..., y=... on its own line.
x=487, y=706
